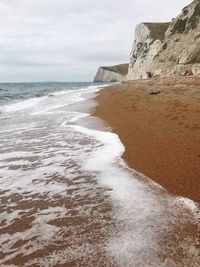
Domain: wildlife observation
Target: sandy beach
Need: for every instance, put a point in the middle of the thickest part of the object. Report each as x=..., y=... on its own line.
x=157, y=120
x=68, y=199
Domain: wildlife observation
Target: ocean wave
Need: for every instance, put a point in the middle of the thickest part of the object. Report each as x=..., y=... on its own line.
x=78, y=191
x=20, y=105
x=98, y=86
x=39, y=94
x=141, y=205
x=43, y=101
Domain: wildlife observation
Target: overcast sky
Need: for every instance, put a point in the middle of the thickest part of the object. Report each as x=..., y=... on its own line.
x=67, y=40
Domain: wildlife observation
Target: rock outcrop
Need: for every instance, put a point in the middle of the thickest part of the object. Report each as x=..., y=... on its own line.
x=161, y=49
x=148, y=43
x=180, y=53
x=115, y=73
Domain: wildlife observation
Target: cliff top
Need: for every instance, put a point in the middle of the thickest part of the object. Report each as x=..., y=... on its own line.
x=157, y=29
x=121, y=68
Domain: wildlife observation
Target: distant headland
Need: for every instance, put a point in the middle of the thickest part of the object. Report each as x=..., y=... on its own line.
x=161, y=49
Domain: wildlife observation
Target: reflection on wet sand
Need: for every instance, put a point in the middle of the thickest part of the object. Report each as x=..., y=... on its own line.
x=68, y=199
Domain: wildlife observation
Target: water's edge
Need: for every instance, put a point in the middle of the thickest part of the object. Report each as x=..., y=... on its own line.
x=69, y=198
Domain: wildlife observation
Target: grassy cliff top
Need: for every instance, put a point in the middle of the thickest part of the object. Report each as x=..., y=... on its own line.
x=121, y=68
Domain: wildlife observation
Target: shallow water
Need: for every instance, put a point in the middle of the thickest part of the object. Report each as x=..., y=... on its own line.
x=68, y=199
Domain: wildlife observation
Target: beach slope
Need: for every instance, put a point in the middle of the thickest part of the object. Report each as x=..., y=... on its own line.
x=158, y=121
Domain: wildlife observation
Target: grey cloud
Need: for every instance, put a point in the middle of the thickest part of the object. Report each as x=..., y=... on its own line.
x=67, y=39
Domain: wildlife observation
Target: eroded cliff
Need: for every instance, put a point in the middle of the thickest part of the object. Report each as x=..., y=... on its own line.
x=161, y=49
x=147, y=44
x=167, y=49
x=180, y=53
x=115, y=73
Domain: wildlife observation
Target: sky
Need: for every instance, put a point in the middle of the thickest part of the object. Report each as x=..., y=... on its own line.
x=67, y=40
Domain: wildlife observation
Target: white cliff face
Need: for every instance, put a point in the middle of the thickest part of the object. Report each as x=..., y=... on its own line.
x=104, y=75
x=146, y=46
x=111, y=73
x=181, y=46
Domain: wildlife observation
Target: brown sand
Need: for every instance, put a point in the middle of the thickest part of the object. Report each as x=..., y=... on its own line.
x=158, y=121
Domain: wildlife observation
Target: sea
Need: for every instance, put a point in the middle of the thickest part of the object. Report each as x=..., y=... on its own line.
x=67, y=198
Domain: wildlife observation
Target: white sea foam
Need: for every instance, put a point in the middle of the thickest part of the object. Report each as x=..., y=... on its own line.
x=64, y=92
x=26, y=104
x=141, y=209
x=65, y=98
x=97, y=87
x=60, y=98
x=38, y=236
x=51, y=161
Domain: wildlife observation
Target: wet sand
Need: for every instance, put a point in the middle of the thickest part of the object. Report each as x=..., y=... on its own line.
x=70, y=215
x=158, y=121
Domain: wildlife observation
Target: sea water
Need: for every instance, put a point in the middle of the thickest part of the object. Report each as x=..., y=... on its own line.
x=68, y=199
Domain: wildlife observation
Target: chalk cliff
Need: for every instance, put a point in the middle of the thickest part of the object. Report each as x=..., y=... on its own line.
x=147, y=44
x=115, y=73
x=167, y=48
x=180, y=52
x=161, y=49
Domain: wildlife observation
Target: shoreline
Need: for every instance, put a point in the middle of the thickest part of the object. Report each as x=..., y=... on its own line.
x=163, y=136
